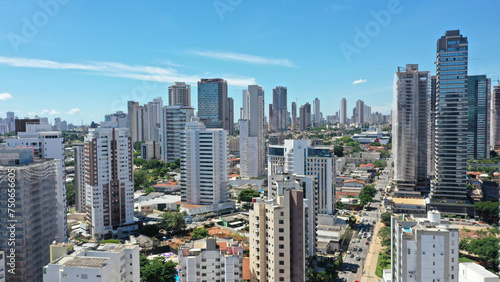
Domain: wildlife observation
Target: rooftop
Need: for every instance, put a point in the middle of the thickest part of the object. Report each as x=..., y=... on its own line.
x=87, y=262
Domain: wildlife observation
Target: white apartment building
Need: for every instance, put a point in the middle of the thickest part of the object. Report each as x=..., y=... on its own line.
x=204, y=165
x=424, y=250
x=173, y=122
x=300, y=157
x=252, y=126
x=109, y=179
x=111, y=262
x=211, y=259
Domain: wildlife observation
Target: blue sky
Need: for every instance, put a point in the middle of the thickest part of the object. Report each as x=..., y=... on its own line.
x=79, y=60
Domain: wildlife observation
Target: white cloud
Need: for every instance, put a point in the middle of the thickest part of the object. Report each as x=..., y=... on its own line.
x=5, y=96
x=44, y=112
x=359, y=81
x=114, y=69
x=31, y=114
x=54, y=112
x=244, y=58
x=74, y=111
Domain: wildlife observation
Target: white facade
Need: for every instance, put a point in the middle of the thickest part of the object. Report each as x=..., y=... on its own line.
x=211, y=259
x=299, y=157
x=473, y=272
x=111, y=262
x=109, y=179
x=424, y=250
x=173, y=122
x=204, y=165
x=252, y=142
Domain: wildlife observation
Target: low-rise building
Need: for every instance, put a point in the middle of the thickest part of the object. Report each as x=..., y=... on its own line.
x=211, y=259
x=110, y=262
x=473, y=272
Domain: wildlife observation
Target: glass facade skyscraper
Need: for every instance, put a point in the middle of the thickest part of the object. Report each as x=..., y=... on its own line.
x=448, y=188
x=478, y=126
x=212, y=103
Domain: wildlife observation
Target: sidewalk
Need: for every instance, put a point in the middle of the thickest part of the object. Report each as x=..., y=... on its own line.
x=372, y=257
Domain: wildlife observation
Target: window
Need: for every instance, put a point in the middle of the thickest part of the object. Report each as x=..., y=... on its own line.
x=84, y=276
x=282, y=271
x=408, y=251
x=433, y=263
x=452, y=259
x=281, y=246
x=281, y=238
x=282, y=279
x=452, y=251
x=282, y=254
x=282, y=262
x=434, y=246
x=433, y=254
x=282, y=214
x=281, y=221
x=452, y=276
x=433, y=272
x=282, y=230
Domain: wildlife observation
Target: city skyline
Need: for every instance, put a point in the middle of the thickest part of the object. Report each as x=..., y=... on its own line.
x=71, y=79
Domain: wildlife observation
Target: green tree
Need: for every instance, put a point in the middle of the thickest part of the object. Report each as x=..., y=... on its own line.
x=173, y=221
x=70, y=193
x=366, y=195
x=385, y=235
x=386, y=218
x=338, y=151
x=199, y=232
x=157, y=270
x=140, y=178
x=150, y=230
x=493, y=154
x=375, y=144
x=384, y=154
x=247, y=195
x=149, y=190
x=137, y=145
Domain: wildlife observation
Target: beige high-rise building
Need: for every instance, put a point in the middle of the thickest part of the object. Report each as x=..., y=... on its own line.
x=282, y=230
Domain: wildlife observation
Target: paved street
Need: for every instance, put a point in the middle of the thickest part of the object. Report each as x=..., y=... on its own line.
x=354, y=268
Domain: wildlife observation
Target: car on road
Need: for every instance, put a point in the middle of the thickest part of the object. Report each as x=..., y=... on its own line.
x=360, y=250
x=367, y=242
x=358, y=258
x=352, y=255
